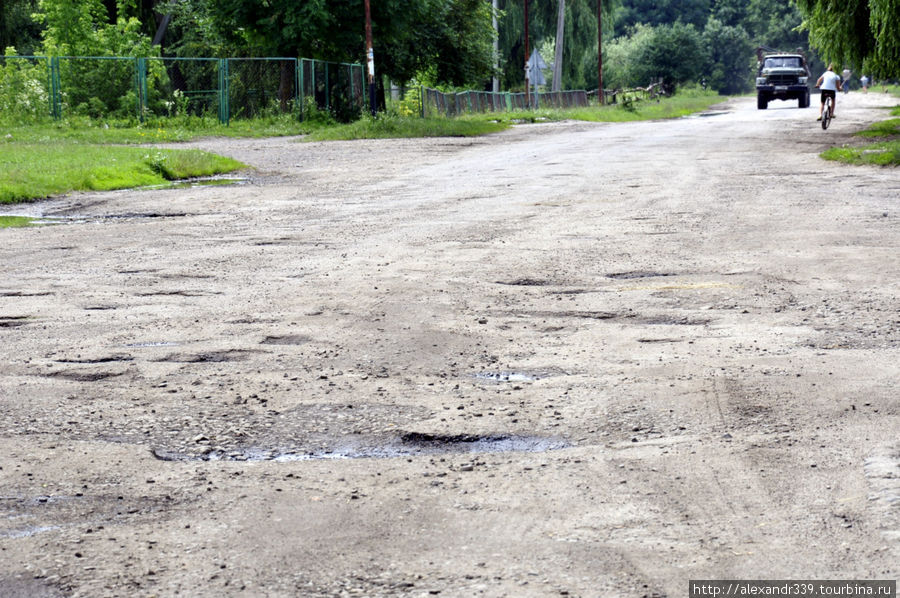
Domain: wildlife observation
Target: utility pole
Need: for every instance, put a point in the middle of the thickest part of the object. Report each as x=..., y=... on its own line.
x=558, y=58
x=370, y=58
x=599, y=51
x=527, y=56
x=495, y=86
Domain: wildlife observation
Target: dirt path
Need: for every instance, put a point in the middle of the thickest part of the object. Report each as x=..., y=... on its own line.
x=569, y=359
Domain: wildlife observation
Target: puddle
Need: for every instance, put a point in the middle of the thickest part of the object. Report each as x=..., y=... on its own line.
x=525, y=282
x=708, y=114
x=508, y=376
x=146, y=345
x=28, y=531
x=212, y=181
x=638, y=274
x=408, y=444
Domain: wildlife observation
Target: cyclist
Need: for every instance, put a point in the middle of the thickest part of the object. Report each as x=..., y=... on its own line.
x=830, y=83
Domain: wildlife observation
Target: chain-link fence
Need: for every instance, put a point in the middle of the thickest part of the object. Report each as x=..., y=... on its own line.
x=338, y=88
x=226, y=88
x=453, y=104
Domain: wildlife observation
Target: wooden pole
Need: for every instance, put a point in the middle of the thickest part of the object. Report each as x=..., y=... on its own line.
x=527, y=56
x=370, y=58
x=600, y=51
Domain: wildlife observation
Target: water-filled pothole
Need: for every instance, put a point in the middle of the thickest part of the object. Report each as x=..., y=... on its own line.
x=637, y=274
x=508, y=376
x=406, y=444
x=210, y=181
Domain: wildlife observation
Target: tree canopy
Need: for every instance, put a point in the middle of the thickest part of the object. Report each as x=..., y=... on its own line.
x=861, y=33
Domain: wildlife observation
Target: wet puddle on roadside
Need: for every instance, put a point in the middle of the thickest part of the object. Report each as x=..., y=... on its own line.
x=409, y=444
x=508, y=376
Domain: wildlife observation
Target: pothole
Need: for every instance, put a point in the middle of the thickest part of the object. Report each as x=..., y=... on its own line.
x=211, y=357
x=406, y=444
x=508, y=376
x=638, y=274
x=210, y=181
x=13, y=321
x=151, y=344
x=525, y=282
x=287, y=339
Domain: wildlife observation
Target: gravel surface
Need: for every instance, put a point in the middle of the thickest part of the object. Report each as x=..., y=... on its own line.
x=568, y=359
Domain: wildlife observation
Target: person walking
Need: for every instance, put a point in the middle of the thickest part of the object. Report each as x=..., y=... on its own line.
x=830, y=84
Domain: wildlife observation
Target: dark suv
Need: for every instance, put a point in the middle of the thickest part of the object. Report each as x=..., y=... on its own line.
x=782, y=76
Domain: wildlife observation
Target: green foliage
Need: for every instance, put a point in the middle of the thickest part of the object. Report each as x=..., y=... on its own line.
x=673, y=53
x=23, y=89
x=17, y=28
x=579, y=46
x=662, y=12
x=83, y=29
x=862, y=33
x=729, y=51
x=388, y=125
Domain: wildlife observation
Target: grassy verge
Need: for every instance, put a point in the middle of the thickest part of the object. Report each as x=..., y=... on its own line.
x=883, y=152
x=48, y=158
x=392, y=126
x=389, y=126
x=35, y=170
x=14, y=221
x=85, y=130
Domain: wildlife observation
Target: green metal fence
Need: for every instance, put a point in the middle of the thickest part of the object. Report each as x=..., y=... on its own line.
x=454, y=104
x=115, y=86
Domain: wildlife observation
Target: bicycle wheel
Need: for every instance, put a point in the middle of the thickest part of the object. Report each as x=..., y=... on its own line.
x=826, y=114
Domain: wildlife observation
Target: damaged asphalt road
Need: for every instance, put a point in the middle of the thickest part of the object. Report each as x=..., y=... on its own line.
x=569, y=359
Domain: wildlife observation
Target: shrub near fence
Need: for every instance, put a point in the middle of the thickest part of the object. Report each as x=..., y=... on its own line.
x=24, y=87
x=115, y=86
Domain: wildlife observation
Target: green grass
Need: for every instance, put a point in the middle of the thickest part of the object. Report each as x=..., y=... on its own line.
x=53, y=157
x=389, y=126
x=34, y=170
x=394, y=126
x=14, y=221
x=885, y=152
x=684, y=104
x=85, y=130
x=884, y=128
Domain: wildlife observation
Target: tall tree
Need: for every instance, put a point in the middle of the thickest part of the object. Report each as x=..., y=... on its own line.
x=560, y=42
x=728, y=51
x=451, y=39
x=863, y=33
x=17, y=28
x=662, y=12
x=579, y=60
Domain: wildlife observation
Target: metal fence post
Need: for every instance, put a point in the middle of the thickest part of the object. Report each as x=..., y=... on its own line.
x=55, y=99
x=327, y=89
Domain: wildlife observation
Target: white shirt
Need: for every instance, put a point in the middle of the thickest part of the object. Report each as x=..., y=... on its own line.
x=829, y=80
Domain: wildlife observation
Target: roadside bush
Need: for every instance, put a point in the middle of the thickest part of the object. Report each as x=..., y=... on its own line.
x=23, y=89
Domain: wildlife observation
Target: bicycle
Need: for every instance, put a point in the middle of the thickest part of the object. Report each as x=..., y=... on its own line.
x=826, y=113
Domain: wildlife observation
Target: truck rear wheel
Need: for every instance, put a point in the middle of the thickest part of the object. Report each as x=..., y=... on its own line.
x=803, y=102
x=762, y=102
